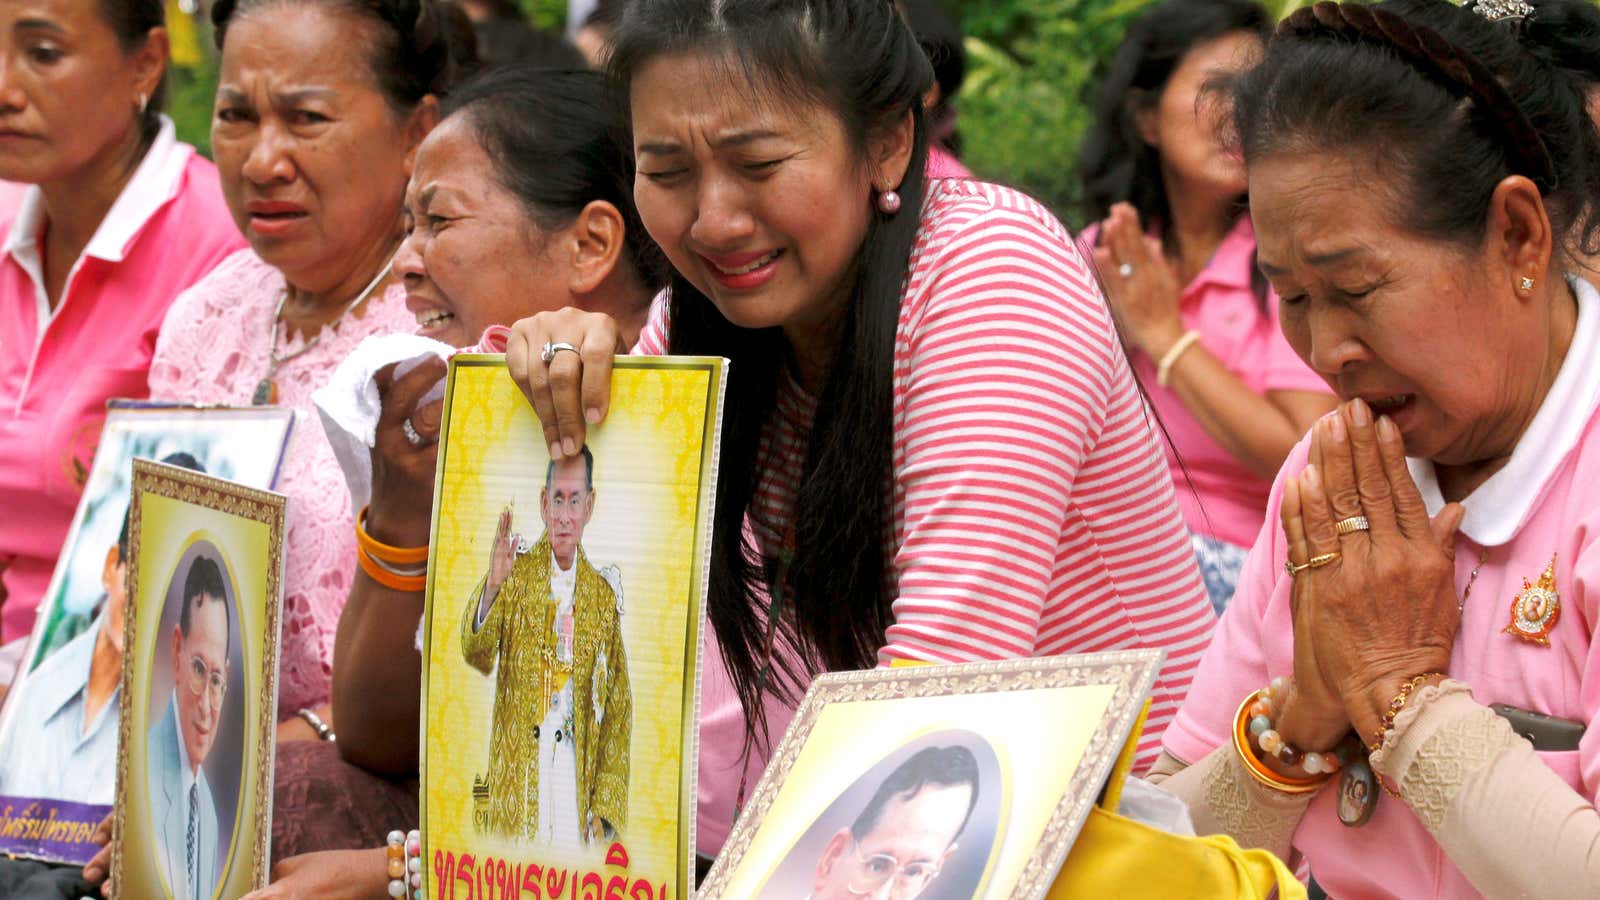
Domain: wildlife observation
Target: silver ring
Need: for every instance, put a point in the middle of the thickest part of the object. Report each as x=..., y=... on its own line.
x=1125, y=270
x=548, y=354
x=412, y=436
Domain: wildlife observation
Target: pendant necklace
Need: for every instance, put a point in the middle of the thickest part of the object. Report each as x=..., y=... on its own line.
x=1359, y=785
x=266, y=393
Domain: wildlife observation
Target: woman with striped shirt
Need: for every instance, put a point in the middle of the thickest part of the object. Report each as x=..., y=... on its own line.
x=934, y=448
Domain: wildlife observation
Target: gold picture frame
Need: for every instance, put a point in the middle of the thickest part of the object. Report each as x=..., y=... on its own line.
x=176, y=516
x=649, y=479
x=1103, y=727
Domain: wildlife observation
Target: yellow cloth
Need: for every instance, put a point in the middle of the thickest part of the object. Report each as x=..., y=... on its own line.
x=183, y=38
x=517, y=631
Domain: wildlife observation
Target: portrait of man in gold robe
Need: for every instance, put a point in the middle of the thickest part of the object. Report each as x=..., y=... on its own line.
x=547, y=626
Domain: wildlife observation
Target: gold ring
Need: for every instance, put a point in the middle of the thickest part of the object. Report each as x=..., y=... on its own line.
x=1315, y=562
x=1354, y=523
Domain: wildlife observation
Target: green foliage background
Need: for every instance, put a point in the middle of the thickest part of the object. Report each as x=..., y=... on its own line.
x=1030, y=63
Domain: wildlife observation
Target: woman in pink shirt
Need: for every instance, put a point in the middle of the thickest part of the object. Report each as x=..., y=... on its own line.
x=320, y=108
x=1422, y=608
x=934, y=448
x=119, y=219
x=1177, y=257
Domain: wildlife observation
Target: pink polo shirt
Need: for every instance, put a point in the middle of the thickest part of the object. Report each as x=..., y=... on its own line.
x=1543, y=505
x=1219, y=496
x=58, y=367
x=10, y=197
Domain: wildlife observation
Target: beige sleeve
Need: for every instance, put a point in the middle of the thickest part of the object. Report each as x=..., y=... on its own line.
x=1224, y=799
x=1508, y=822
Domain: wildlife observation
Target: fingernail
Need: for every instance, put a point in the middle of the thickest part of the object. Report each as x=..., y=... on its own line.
x=555, y=450
x=592, y=415
x=1336, y=429
x=1312, y=480
x=1360, y=413
x=1386, y=430
x=570, y=447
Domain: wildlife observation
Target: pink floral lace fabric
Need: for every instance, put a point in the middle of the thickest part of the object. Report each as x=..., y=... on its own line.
x=214, y=348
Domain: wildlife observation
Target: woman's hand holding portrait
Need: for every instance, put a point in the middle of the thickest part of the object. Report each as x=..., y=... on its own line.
x=573, y=390
x=1384, y=610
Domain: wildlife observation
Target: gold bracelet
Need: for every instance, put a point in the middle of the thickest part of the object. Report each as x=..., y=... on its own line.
x=1164, y=368
x=1260, y=772
x=1397, y=704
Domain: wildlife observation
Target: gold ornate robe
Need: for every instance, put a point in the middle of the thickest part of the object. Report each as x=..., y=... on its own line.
x=517, y=632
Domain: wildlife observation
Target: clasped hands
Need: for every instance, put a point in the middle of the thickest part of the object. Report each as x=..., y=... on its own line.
x=1142, y=287
x=1385, y=609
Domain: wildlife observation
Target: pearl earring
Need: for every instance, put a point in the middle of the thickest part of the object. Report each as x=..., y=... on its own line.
x=888, y=202
x=1526, y=284
x=143, y=101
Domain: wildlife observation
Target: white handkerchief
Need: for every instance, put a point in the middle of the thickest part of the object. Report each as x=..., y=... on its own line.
x=349, y=402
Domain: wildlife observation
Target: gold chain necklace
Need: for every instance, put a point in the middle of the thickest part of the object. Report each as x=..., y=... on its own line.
x=266, y=392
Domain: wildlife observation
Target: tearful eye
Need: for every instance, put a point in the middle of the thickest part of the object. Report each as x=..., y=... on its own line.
x=665, y=176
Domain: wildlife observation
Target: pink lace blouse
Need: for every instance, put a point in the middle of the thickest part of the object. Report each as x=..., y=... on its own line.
x=214, y=348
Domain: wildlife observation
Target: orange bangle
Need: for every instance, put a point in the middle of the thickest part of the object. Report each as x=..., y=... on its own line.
x=1258, y=770
x=400, y=556
x=408, y=583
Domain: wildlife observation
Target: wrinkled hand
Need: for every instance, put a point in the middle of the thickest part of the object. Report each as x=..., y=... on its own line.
x=1386, y=610
x=573, y=391
x=401, y=510
x=330, y=875
x=502, y=554
x=1145, y=301
x=98, y=869
x=1313, y=717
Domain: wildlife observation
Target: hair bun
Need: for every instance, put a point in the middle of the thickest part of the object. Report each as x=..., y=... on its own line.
x=1566, y=34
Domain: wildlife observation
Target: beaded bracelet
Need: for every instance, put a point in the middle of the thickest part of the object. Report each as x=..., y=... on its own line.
x=405, y=865
x=1253, y=725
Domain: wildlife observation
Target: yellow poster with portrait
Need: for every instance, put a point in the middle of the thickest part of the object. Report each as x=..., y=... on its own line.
x=198, y=699
x=562, y=638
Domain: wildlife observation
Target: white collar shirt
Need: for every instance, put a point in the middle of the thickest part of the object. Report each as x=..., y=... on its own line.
x=154, y=182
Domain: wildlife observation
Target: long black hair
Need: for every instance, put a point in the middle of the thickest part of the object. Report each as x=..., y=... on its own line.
x=857, y=59
x=1450, y=102
x=553, y=143
x=1115, y=164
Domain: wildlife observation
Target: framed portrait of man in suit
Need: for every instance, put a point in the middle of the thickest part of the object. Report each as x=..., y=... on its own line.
x=59, y=724
x=199, y=693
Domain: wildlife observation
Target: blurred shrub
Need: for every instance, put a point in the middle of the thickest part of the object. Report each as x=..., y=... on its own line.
x=1032, y=65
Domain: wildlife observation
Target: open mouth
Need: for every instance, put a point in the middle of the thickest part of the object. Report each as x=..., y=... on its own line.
x=434, y=319
x=757, y=263
x=1388, y=406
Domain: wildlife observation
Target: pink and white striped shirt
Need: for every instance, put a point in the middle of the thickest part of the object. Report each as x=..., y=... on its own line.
x=1032, y=510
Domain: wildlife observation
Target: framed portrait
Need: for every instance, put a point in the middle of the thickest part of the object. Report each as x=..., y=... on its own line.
x=562, y=638
x=935, y=782
x=199, y=687
x=58, y=727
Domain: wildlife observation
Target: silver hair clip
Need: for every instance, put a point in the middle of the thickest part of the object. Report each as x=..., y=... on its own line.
x=1502, y=10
